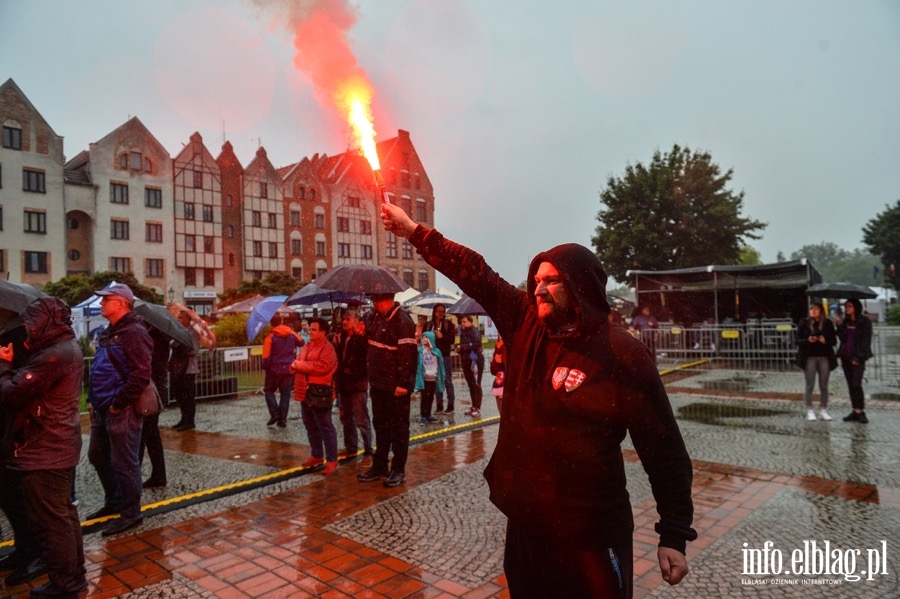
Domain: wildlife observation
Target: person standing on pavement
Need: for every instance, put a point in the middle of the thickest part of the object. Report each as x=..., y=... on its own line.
x=445, y=337
x=816, y=339
x=279, y=350
x=151, y=441
x=471, y=352
x=315, y=366
x=43, y=396
x=645, y=325
x=855, y=333
x=391, y=363
x=575, y=386
x=429, y=376
x=184, y=369
x=119, y=374
x=352, y=383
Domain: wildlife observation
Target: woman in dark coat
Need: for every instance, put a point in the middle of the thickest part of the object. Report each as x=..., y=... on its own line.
x=855, y=333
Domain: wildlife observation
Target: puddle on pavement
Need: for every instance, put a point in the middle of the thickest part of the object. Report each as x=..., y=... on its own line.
x=718, y=414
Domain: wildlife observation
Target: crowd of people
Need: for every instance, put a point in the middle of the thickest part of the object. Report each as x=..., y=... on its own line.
x=568, y=380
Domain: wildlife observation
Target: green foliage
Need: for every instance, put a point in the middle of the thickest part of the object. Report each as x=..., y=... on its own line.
x=74, y=289
x=881, y=235
x=231, y=331
x=893, y=315
x=749, y=256
x=839, y=265
x=674, y=213
x=274, y=283
x=87, y=349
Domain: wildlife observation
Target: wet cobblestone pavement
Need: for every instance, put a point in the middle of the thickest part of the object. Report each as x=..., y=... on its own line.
x=240, y=518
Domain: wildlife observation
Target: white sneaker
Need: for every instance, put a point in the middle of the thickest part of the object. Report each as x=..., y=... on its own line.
x=810, y=415
x=824, y=415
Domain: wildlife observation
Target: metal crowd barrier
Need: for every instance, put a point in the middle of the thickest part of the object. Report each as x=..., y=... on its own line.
x=766, y=346
x=232, y=371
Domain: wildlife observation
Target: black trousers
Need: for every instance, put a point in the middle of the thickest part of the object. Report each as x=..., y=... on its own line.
x=390, y=419
x=55, y=523
x=854, y=376
x=536, y=568
x=152, y=441
x=13, y=504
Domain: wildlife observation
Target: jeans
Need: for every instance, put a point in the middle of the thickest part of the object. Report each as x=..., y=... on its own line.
x=448, y=385
x=536, y=568
x=474, y=384
x=816, y=366
x=284, y=384
x=321, y=432
x=56, y=526
x=390, y=417
x=113, y=450
x=854, y=376
x=355, y=415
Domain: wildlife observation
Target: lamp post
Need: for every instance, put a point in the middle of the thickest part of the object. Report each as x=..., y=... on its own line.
x=171, y=294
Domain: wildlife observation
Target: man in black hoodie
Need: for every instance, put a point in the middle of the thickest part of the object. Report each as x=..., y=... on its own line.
x=574, y=387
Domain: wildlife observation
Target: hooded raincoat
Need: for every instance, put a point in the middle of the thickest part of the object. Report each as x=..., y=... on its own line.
x=44, y=393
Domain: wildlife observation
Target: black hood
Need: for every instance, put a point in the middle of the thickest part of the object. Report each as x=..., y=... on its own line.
x=47, y=319
x=584, y=278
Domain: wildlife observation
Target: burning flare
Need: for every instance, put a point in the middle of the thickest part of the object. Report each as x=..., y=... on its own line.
x=324, y=55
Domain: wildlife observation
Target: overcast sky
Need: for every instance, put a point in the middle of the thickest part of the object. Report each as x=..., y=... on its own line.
x=520, y=110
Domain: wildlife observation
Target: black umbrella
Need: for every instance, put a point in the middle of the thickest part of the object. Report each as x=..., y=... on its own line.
x=841, y=291
x=466, y=305
x=14, y=298
x=361, y=278
x=312, y=294
x=160, y=318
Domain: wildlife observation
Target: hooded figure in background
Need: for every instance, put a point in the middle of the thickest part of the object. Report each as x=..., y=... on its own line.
x=45, y=443
x=575, y=386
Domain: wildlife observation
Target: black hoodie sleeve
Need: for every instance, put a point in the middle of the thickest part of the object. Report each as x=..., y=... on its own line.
x=658, y=442
x=468, y=269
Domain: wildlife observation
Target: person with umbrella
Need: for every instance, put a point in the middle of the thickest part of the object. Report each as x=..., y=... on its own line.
x=184, y=369
x=855, y=333
x=575, y=387
x=391, y=363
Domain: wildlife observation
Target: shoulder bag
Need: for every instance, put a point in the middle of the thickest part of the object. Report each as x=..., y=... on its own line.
x=319, y=397
x=149, y=402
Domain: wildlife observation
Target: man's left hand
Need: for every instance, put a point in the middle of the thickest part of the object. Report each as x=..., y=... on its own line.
x=7, y=353
x=399, y=392
x=672, y=564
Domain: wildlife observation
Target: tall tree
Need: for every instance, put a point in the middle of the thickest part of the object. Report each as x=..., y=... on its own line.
x=74, y=289
x=674, y=213
x=882, y=237
x=822, y=255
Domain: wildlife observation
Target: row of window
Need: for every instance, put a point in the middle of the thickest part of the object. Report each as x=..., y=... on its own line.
x=256, y=219
x=33, y=180
x=365, y=251
x=343, y=226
